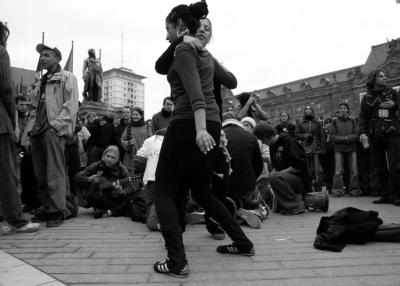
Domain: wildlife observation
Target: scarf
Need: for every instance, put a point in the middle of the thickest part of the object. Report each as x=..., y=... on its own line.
x=129, y=132
x=165, y=113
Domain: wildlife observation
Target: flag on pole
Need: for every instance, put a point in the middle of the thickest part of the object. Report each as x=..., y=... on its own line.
x=69, y=65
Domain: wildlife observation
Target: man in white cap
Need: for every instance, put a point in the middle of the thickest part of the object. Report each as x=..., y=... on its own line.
x=55, y=102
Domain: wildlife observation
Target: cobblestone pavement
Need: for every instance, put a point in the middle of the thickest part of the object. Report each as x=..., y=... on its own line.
x=116, y=251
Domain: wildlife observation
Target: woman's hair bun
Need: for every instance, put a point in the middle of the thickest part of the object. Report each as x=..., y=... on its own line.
x=199, y=10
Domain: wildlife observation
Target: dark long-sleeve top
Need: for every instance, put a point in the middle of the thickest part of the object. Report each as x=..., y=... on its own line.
x=221, y=75
x=191, y=79
x=369, y=121
x=7, y=101
x=310, y=127
x=246, y=164
x=113, y=173
x=102, y=135
x=287, y=152
x=344, y=134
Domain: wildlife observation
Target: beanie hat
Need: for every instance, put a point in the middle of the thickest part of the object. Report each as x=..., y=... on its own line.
x=249, y=120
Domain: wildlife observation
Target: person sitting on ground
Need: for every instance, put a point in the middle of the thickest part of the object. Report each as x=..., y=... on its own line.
x=246, y=165
x=344, y=136
x=102, y=183
x=146, y=161
x=290, y=179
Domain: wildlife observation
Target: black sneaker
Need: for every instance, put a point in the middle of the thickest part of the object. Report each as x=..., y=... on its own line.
x=234, y=249
x=40, y=217
x=163, y=267
x=55, y=220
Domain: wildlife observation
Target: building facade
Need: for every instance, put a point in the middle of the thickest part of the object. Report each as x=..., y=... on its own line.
x=123, y=87
x=22, y=80
x=325, y=91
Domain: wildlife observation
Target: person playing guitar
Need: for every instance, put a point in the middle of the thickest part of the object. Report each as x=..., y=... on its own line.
x=106, y=185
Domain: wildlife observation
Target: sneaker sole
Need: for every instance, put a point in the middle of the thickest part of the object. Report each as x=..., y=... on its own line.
x=252, y=220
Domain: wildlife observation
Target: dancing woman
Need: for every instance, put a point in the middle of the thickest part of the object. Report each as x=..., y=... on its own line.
x=188, y=153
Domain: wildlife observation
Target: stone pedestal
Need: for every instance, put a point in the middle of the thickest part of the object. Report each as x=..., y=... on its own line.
x=99, y=108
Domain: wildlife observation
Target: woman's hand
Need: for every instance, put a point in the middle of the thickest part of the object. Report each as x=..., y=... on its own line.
x=204, y=141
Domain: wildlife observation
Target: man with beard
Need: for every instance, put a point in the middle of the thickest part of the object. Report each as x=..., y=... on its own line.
x=161, y=119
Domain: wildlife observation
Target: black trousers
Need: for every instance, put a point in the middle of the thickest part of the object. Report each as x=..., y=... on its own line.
x=30, y=195
x=73, y=162
x=386, y=166
x=328, y=167
x=181, y=167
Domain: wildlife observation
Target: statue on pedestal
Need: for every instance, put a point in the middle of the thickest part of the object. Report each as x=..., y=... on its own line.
x=93, y=77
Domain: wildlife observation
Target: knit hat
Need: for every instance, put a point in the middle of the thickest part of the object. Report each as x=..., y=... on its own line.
x=249, y=120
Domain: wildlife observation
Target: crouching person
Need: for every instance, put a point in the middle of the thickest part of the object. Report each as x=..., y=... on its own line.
x=290, y=179
x=106, y=184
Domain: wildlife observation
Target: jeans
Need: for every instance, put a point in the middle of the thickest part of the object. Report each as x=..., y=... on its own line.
x=386, y=166
x=9, y=198
x=339, y=168
x=48, y=154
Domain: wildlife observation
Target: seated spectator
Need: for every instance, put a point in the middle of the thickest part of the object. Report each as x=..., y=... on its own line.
x=146, y=161
x=344, y=136
x=246, y=165
x=103, y=182
x=289, y=179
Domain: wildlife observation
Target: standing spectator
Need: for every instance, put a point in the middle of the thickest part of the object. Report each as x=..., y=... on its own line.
x=380, y=129
x=103, y=134
x=161, y=119
x=133, y=137
x=344, y=136
x=309, y=132
x=29, y=195
x=9, y=198
x=83, y=137
x=285, y=125
x=328, y=158
x=123, y=122
x=55, y=103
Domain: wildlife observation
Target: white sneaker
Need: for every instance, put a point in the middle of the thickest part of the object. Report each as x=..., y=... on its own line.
x=7, y=229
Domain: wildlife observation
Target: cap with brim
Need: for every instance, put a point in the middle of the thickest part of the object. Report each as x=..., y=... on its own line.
x=40, y=48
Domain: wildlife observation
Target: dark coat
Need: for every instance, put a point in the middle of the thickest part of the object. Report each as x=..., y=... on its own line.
x=348, y=225
x=246, y=163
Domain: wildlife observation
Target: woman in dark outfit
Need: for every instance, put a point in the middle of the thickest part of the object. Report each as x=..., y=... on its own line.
x=188, y=153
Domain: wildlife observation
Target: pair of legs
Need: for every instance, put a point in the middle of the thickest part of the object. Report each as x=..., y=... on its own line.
x=386, y=167
x=314, y=165
x=48, y=155
x=182, y=166
x=351, y=158
x=9, y=199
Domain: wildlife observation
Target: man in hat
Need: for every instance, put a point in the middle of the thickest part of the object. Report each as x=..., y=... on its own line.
x=55, y=106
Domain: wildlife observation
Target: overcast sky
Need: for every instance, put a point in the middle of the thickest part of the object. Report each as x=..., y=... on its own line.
x=263, y=42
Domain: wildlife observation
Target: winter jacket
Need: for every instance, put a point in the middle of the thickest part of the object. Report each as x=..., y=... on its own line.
x=246, y=163
x=309, y=130
x=61, y=94
x=377, y=122
x=344, y=134
x=348, y=225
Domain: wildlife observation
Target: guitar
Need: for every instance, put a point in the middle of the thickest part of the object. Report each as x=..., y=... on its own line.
x=104, y=184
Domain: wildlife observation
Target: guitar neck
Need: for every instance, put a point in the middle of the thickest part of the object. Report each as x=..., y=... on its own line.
x=136, y=178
